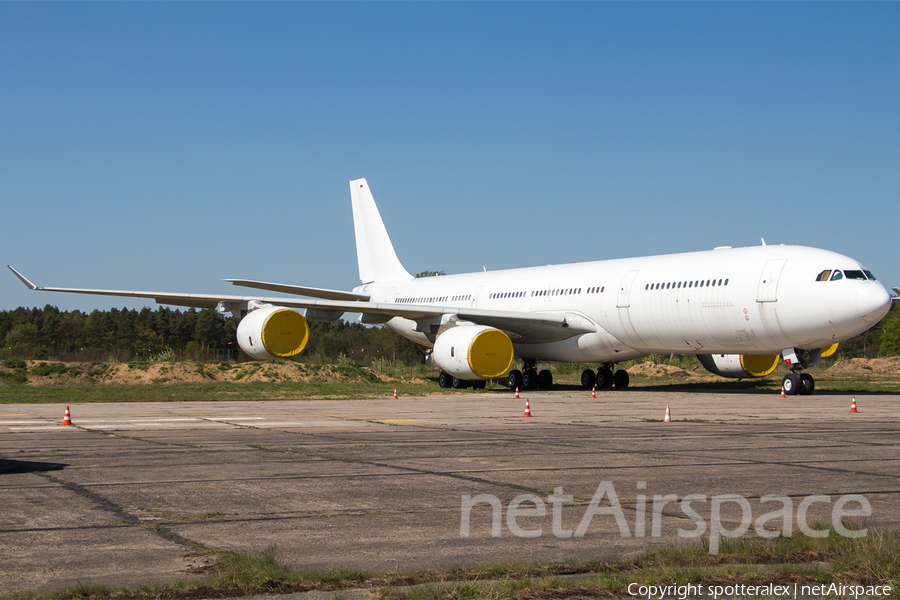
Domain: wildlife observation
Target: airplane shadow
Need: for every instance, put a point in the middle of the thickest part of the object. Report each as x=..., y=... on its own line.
x=8, y=466
x=718, y=387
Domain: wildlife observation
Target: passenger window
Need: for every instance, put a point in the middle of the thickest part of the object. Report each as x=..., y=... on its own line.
x=837, y=275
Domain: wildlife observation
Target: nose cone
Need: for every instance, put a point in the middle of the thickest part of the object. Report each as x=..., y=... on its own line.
x=873, y=302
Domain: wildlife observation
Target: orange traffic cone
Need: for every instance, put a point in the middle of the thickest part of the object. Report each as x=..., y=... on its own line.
x=517, y=392
x=668, y=418
x=782, y=391
x=853, y=406
x=395, y=393
x=594, y=392
x=527, y=409
x=67, y=418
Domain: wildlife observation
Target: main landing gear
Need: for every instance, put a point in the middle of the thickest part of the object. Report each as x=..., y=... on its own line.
x=530, y=379
x=604, y=378
x=445, y=380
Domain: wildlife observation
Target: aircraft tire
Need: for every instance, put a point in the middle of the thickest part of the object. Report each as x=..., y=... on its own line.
x=604, y=378
x=791, y=383
x=530, y=379
x=459, y=384
x=545, y=380
x=514, y=379
x=444, y=380
x=621, y=379
x=479, y=384
x=807, y=384
x=588, y=379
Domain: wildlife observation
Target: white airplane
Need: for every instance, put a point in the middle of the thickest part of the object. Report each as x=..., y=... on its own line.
x=740, y=310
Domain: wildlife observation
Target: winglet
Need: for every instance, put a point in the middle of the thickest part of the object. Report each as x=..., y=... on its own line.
x=23, y=279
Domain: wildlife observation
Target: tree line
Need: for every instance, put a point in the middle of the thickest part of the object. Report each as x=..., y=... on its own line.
x=127, y=334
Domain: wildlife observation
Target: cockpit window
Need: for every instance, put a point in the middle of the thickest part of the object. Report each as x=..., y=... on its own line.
x=824, y=275
x=837, y=275
x=869, y=275
x=855, y=275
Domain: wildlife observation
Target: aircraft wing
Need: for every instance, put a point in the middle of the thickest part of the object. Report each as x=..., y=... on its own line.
x=522, y=326
x=299, y=290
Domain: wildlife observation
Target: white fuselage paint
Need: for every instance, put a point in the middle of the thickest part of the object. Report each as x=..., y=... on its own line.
x=771, y=302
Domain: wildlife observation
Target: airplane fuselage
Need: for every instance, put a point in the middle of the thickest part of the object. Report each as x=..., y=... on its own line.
x=755, y=300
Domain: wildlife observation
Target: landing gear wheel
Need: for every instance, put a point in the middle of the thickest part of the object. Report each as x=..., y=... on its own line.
x=791, y=383
x=514, y=379
x=530, y=379
x=479, y=385
x=444, y=380
x=604, y=378
x=588, y=379
x=807, y=384
x=620, y=379
x=545, y=379
x=459, y=384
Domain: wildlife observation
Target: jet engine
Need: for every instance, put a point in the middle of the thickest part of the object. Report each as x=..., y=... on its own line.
x=473, y=352
x=740, y=365
x=272, y=332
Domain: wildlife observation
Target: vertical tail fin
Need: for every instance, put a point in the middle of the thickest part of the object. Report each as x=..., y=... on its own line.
x=377, y=259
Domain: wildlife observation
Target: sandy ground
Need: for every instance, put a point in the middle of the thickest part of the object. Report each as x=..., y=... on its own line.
x=62, y=374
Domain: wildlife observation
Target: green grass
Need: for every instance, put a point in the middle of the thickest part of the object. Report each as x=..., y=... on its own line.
x=870, y=560
x=207, y=392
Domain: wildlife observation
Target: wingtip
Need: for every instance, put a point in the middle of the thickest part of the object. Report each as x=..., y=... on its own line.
x=22, y=278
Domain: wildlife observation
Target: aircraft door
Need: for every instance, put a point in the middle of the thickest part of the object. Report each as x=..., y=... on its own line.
x=624, y=299
x=768, y=281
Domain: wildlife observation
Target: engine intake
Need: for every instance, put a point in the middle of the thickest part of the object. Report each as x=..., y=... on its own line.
x=473, y=352
x=273, y=332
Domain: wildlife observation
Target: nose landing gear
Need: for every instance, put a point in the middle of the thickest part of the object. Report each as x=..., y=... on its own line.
x=796, y=382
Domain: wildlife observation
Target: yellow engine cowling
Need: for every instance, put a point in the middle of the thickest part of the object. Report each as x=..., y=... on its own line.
x=273, y=332
x=741, y=366
x=473, y=352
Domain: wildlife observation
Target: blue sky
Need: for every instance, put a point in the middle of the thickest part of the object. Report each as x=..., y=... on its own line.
x=167, y=146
